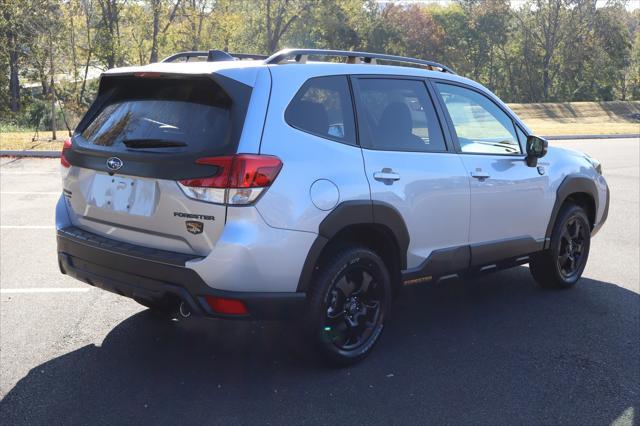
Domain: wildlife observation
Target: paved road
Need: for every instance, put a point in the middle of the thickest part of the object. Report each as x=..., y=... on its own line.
x=495, y=350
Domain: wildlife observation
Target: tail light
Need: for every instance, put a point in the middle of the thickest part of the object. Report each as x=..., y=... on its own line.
x=63, y=159
x=240, y=179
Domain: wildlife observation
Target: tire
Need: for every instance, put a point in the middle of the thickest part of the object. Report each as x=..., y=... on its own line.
x=561, y=265
x=349, y=302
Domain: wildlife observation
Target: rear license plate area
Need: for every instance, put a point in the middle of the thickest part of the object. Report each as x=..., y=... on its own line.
x=123, y=194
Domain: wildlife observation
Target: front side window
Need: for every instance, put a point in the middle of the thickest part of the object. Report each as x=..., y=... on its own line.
x=323, y=107
x=398, y=115
x=482, y=127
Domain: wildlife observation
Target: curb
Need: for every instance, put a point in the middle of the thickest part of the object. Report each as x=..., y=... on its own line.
x=570, y=137
x=56, y=154
x=36, y=154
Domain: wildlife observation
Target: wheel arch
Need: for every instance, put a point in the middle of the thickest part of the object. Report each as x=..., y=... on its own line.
x=374, y=224
x=580, y=190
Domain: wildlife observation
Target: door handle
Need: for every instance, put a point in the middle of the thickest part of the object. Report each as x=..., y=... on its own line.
x=479, y=174
x=386, y=175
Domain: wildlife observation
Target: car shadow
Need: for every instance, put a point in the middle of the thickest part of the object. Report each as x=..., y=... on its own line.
x=492, y=350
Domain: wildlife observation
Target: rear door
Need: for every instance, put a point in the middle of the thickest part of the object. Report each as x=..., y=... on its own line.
x=143, y=134
x=409, y=166
x=508, y=198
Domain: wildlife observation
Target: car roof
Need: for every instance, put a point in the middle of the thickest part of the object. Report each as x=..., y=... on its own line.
x=245, y=70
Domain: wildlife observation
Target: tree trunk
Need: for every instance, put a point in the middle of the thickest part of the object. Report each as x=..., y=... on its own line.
x=546, y=79
x=74, y=58
x=110, y=19
x=89, y=51
x=155, y=5
x=52, y=89
x=269, y=27
x=14, y=79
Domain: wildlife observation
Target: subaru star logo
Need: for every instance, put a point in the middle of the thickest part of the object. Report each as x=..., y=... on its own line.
x=114, y=164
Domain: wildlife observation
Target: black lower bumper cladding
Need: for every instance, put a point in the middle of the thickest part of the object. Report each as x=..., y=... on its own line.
x=156, y=276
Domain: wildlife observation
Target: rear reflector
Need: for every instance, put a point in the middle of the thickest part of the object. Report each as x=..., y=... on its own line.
x=63, y=159
x=225, y=306
x=239, y=179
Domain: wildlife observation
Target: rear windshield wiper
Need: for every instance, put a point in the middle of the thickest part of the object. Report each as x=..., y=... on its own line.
x=152, y=143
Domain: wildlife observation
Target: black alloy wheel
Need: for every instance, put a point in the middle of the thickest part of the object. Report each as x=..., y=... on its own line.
x=349, y=304
x=571, y=257
x=561, y=265
x=353, y=311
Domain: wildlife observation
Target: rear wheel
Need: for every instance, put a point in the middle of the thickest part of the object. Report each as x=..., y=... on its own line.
x=349, y=302
x=562, y=264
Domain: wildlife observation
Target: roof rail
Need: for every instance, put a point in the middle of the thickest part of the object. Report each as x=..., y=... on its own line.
x=212, y=56
x=300, y=56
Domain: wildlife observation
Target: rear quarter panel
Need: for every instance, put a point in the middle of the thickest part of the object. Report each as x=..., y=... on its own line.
x=306, y=159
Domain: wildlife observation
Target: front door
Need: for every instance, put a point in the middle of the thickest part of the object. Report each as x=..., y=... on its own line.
x=508, y=198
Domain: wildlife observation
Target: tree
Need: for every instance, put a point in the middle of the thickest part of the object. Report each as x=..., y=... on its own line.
x=14, y=27
x=551, y=23
x=634, y=69
x=108, y=34
x=11, y=24
x=544, y=50
x=196, y=13
x=421, y=36
x=157, y=8
x=86, y=7
x=279, y=15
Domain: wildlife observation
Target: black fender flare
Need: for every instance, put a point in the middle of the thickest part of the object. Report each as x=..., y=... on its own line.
x=571, y=184
x=348, y=213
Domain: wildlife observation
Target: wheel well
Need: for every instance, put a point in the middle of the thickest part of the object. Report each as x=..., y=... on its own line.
x=585, y=201
x=376, y=237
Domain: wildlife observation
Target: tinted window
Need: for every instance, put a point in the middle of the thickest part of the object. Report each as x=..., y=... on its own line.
x=522, y=137
x=323, y=107
x=482, y=127
x=161, y=114
x=398, y=115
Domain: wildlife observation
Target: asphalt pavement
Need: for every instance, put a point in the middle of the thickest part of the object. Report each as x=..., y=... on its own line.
x=492, y=350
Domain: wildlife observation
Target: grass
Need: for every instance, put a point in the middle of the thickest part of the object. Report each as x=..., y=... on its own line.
x=549, y=119
x=25, y=141
x=581, y=118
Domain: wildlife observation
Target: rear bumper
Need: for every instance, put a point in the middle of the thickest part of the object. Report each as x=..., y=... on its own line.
x=158, y=276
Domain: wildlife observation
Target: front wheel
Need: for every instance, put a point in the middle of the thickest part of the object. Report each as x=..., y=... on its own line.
x=562, y=264
x=349, y=302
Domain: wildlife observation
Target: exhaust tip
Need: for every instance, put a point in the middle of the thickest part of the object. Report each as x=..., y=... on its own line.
x=184, y=310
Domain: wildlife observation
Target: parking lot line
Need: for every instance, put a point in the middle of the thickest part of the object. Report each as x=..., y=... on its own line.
x=27, y=226
x=29, y=192
x=39, y=172
x=43, y=290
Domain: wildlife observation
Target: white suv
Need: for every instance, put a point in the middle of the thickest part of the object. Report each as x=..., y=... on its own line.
x=250, y=187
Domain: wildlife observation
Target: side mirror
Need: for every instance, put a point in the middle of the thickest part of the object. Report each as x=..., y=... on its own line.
x=536, y=148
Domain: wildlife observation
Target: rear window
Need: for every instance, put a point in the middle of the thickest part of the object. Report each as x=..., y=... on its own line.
x=166, y=114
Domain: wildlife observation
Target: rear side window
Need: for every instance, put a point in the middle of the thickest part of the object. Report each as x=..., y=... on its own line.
x=398, y=115
x=162, y=114
x=323, y=107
